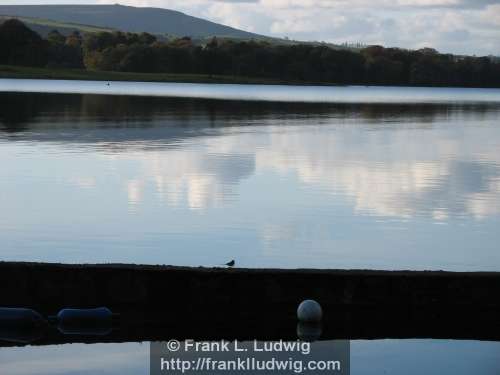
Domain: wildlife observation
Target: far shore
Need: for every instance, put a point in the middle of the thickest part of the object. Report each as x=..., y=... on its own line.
x=20, y=72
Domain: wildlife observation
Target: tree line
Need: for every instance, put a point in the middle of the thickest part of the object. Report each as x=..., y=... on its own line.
x=146, y=53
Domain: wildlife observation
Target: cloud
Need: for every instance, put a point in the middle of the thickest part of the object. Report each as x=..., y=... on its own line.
x=233, y=15
x=455, y=26
x=491, y=14
x=236, y=1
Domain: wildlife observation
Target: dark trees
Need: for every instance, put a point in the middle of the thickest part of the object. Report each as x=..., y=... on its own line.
x=129, y=52
x=65, y=52
x=20, y=45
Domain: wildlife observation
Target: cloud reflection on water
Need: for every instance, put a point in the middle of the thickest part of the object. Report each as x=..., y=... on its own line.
x=269, y=184
x=378, y=171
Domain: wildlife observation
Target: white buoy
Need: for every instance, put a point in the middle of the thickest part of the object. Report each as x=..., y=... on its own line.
x=309, y=311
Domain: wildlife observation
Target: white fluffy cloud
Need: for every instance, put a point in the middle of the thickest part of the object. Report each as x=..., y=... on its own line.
x=456, y=26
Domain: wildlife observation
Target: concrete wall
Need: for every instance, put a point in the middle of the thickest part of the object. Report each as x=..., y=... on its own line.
x=161, y=301
x=141, y=286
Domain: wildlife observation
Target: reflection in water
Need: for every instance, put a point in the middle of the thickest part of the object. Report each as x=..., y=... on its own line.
x=20, y=112
x=367, y=357
x=92, y=178
x=106, y=359
x=260, y=93
x=414, y=357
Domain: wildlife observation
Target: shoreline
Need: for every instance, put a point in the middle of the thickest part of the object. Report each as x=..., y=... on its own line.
x=15, y=72
x=20, y=72
x=156, y=302
x=265, y=270
x=138, y=285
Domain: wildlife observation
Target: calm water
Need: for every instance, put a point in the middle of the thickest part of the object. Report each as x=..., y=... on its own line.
x=88, y=178
x=280, y=93
x=387, y=178
x=392, y=357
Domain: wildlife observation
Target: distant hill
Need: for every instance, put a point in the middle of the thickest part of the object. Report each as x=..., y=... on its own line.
x=44, y=27
x=152, y=20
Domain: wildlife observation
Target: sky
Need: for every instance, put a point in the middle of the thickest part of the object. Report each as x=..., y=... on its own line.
x=452, y=26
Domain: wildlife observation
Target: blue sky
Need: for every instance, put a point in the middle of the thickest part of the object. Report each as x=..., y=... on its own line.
x=457, y=26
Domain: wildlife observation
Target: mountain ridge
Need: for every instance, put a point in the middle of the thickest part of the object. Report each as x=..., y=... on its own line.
x=132, y=19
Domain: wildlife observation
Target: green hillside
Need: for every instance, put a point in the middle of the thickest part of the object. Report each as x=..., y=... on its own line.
x=44, y=26
x=125, y=18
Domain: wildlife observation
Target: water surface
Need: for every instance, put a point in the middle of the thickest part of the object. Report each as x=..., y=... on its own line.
x=275, y=93
x=412, y=357
x=90, y=178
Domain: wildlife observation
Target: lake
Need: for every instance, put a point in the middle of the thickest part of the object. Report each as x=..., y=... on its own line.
x=392, y=357
x=329, y=177
x=406, y=184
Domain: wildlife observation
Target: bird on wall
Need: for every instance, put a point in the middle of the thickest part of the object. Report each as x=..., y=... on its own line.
x=231, y=263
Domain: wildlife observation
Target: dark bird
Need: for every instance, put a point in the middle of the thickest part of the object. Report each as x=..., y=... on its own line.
x=231, y=263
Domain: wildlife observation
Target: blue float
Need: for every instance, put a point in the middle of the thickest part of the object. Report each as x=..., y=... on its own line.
x=88, y=322
x=22, y=326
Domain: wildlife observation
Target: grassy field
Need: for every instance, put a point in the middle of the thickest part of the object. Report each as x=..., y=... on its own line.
x=65, y=25
x=72, y=74
x=48, y=25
